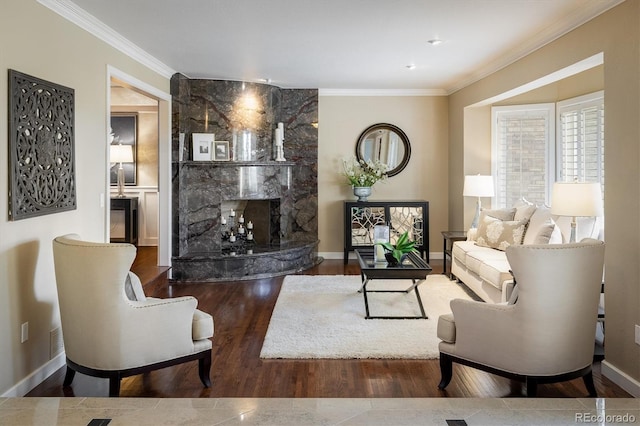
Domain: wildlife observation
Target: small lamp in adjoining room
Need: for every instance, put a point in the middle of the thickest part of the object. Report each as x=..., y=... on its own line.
x=478, y=186
x=121, y=154
x=576, y=199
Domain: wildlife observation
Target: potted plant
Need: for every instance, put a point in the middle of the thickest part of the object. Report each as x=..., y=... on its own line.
x=396, y=253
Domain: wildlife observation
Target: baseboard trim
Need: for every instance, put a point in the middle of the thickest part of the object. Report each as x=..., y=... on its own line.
x=340, y=255
x=620, y=378
x=27, y=384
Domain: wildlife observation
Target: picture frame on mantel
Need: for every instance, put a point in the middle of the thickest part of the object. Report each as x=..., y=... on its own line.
x=202, y=146
x=221, y=151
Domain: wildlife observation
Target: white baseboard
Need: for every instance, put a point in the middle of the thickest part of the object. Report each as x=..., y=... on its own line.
x=340, y=255
x=34, y=379
x=620, y=378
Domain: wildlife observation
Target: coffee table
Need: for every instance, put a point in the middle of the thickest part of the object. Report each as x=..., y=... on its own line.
x=413, y=268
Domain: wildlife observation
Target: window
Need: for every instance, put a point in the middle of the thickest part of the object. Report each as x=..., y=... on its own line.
x=581, y=139
x=528, y=156
x=523, y=147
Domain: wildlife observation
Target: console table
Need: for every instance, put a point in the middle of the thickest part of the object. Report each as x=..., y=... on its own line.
x=130, y=207
x=360, y=217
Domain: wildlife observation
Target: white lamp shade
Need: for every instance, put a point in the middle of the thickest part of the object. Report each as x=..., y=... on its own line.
x=576, y=199
x=121, y=154
x=478, y=186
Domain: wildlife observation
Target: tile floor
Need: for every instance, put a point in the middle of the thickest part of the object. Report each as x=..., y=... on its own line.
x=329, y=411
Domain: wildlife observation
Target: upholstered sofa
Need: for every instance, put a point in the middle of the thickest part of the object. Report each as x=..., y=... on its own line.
x=480, y=262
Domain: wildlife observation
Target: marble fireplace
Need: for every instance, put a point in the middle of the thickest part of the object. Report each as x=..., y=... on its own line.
x=278, y=197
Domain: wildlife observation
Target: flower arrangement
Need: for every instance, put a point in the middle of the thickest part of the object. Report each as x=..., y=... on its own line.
x=364, y=173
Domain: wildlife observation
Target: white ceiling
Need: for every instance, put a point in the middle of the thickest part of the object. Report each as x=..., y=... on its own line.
x=340, y=44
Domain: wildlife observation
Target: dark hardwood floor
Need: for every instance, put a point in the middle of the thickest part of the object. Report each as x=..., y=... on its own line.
x=241, y=312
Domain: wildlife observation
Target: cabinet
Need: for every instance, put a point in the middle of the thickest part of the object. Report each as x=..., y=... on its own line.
x=361, y=216
x=127, y=207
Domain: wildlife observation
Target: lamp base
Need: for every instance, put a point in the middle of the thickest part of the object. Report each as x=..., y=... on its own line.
x=120, y=182
x=476, y=218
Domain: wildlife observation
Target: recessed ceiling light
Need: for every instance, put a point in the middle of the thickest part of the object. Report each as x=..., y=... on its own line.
x=411, y=67
x=435, y=42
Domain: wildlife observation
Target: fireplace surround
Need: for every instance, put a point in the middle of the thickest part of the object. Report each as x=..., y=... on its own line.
x=204, y=190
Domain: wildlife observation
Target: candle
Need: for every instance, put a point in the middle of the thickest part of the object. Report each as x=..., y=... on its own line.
x=281, y=129
x=250, y=236
x=241, y=230
x=233, y=213
x=249, y=225
x=241, y=219
x=223, y=220
x=232, y=238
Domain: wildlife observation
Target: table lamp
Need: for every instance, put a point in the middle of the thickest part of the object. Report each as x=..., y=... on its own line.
x=576, y=199
x=478, y=186
x=121, y=154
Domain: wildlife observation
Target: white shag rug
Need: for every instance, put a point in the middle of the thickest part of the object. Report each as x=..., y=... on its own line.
x=322, y=316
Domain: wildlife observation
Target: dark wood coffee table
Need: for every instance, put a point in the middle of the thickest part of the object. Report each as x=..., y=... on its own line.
x=413, y=268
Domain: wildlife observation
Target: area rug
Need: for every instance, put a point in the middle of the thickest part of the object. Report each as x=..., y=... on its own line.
x=322, y=316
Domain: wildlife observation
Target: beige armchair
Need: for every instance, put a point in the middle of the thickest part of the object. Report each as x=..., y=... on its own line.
x=109, y=335
x=547, y=335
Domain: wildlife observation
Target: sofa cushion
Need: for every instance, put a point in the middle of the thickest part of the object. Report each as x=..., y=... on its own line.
x=500, y=234
x=460, y=249
x=476, y=258
x=540, y=224
x=495, y=272
x=524, y=209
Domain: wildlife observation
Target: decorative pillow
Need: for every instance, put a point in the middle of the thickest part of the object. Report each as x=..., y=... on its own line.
x=540, y=217
x=500, y=234
x=133, y=288
x=524, y=209
x=545, y=231
x=502, y=214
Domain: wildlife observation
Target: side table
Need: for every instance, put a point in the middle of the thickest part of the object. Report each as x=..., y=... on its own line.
x=449, y=238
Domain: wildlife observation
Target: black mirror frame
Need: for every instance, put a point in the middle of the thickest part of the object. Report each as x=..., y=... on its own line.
x=405, y=141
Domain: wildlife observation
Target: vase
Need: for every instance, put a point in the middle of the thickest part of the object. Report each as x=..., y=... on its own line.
x=392, y=261
x=362, y=192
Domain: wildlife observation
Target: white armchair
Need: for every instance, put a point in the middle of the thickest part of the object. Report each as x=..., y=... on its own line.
x=547, y=335
x=109, y=335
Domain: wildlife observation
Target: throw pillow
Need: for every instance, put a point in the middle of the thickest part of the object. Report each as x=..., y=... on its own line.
x=545, y=231
x=502, y=214
x=500, y=234
x=524, y=209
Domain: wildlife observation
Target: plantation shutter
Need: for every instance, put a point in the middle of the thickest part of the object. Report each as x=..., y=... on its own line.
x=581, y=139
x=522, y=143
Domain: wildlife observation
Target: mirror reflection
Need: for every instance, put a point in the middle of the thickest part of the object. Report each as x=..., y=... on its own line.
x=387, y=143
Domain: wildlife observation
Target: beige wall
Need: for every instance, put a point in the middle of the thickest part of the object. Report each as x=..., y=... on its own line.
x=62, y=53
x=616, y=33
x=342, y=119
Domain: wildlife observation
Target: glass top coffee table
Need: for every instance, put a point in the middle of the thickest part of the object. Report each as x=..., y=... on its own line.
x=413, y=268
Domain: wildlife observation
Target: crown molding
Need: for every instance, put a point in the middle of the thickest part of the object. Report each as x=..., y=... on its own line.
x=589, y=11
x=382, y=92
x=70, y=11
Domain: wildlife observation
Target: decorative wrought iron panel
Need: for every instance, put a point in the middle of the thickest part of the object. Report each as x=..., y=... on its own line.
x=41, y=147
x=362, y=222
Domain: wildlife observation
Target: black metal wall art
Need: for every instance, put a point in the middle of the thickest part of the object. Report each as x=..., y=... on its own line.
x=41, y=147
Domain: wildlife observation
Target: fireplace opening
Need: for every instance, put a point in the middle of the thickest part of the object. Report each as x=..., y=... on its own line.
x=254, y=222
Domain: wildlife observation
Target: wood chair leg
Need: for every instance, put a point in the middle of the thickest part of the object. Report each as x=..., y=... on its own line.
x=588, y=382
x=446, y=371
x=114, y=385
x=204, y=369
x=68, y=377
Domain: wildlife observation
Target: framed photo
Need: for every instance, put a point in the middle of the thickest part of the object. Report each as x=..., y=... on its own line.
x=124, y=130
x=221, y=151
x=202, y=145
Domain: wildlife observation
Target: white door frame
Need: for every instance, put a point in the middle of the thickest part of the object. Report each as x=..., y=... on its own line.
x=164, y=159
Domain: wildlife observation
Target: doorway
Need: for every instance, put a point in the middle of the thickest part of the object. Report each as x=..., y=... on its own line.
x=149, y=181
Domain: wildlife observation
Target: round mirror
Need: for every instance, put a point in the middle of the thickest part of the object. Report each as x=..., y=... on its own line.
x=387, y=143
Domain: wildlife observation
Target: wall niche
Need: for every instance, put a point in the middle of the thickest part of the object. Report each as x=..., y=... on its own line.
x=245, y=115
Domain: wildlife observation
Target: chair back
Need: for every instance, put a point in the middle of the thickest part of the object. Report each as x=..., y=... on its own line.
x=90, y=280
x=557, y=308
